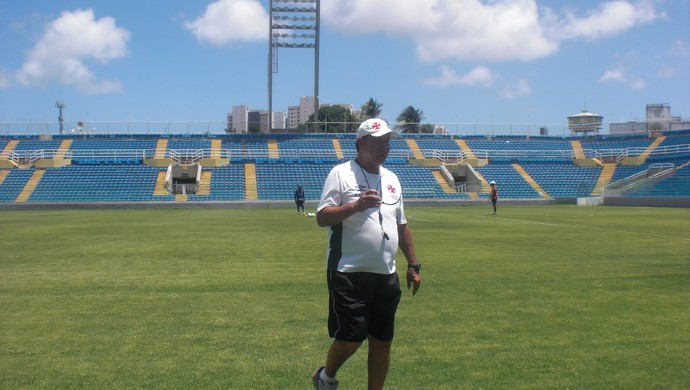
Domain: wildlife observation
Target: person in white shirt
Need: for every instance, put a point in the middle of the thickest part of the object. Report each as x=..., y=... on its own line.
x=362, y=205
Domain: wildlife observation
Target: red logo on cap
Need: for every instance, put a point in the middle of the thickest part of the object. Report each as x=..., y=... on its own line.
x=376, y=126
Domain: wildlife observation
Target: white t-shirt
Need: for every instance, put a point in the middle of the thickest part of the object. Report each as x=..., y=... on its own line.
x=358, y=244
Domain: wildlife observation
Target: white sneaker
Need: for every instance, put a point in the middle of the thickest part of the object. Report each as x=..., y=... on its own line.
x=320, y=384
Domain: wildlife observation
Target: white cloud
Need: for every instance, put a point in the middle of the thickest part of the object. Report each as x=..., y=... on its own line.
x=613, y=75
x=516, y=89
x=226, y=21
x=607, y=19
x=497, y=30
x=619, y=75
x=478, y=76
x=637, y=83
x=69, y=41
x=5, y=79
x=666, y=71
x=680, y=49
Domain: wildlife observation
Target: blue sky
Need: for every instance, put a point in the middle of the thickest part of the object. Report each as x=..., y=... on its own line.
x=459, y=61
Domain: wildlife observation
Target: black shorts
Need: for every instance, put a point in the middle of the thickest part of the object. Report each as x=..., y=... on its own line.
x=362, y=303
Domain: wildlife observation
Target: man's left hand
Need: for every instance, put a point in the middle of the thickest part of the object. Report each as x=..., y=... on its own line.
x=414, y=279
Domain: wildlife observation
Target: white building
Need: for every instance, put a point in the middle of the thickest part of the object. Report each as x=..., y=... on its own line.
x=242, y=119
x=298, y=115
x=238, y=119
x=658, y=118
x=279, y=121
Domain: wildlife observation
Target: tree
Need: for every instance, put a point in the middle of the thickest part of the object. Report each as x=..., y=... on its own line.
x=427, y=128
x=370, y=109
x=334, y=119
x=409, y=120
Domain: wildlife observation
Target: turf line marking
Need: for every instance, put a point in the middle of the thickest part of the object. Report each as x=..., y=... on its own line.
x=644, y=234
x=418, y=219
x=593, y=228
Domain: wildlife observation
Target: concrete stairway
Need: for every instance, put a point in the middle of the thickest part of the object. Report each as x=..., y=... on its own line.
x=204, y=183
x=577, y=149
x=466, y=149
x=530, y=180
x=652, y=146
x=416, y=151
x=447, y=188
x=250, y=191
x=160, y=184
x=216, y=146
x=338, y=149
x=161, y=147
x=62, y=150
x=604, y=178
x=273, y=151
x=30, y=186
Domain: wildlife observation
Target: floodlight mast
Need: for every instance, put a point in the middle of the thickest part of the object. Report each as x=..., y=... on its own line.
x=282, y=21
x=60, y=105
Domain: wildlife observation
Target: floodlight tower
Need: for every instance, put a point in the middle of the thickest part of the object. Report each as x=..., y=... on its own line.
x=60, y=105
x=286, y=17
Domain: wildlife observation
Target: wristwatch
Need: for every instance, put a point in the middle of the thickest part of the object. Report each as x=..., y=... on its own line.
x=417, y=267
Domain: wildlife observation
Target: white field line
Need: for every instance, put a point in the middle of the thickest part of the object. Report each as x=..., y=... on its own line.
x=498, y=219
x=592, y=228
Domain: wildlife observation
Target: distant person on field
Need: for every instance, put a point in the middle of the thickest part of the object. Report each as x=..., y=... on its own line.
x=299, y=199
x=494, y=195
x=361, y=204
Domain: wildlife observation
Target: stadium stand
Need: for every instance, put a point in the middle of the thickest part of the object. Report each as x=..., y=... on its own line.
x=510, y=183
x=98, y=183
x=14, y=183
x=619, y=142
x=268, y=167
x=501, y=149
x=676, y=185
x=564, y=180
x=439, y=147
x=33, y=149
x=304, y=150
x=227, y=184
x=190, y=143
x=279, y=181
x=95, y=151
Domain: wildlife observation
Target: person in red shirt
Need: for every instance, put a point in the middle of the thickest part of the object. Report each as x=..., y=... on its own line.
x=494, y=195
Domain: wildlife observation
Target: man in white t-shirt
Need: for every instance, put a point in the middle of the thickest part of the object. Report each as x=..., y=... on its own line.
x=362, y=204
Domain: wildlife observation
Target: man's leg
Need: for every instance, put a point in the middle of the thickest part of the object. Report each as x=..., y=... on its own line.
x=379, y=361
x=338, y=354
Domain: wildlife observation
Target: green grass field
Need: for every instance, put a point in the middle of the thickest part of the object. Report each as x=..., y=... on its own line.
x=549, y=297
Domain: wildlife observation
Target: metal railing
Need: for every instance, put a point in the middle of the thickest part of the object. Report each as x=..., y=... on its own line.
x=184, y=189
x=241, y=154
x=652, y=173
x=547, y=154
x=445, y=156
x=418, y=193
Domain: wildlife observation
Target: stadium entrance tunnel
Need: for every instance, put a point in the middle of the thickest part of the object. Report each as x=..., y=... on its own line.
x=466, y=177
x=183, y=178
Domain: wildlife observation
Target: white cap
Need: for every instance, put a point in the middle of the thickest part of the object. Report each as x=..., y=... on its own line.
x=492, y=182
x=375, y=127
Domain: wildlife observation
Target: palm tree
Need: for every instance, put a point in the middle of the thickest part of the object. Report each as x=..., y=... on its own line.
x=409, y=120
x=371, y=109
